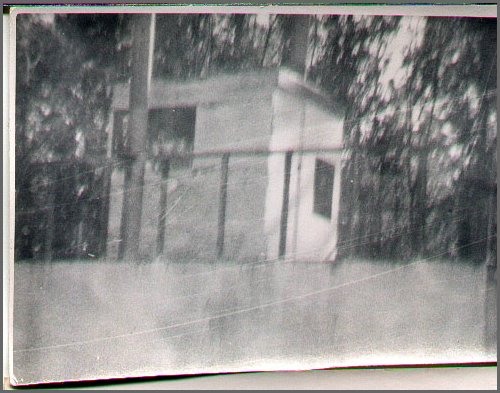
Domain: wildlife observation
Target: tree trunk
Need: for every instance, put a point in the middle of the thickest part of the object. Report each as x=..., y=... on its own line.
x=295, y=53
x=419, y=194
x=420, y=202
x=484, y=174
x=239, y=26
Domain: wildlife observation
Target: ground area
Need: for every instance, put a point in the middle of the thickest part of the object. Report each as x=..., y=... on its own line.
x=102, y=319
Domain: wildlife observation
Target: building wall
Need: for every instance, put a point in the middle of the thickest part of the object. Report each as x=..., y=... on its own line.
x=237, y=125
x=310, y=234
x=301, y=123
x=243, y=123
x=233, y=113
x=264, y=112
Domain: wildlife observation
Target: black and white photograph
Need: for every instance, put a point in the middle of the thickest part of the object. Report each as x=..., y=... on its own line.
x=202, y=190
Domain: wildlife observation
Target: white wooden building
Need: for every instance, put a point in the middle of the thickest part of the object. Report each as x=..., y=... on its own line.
x=259, y=116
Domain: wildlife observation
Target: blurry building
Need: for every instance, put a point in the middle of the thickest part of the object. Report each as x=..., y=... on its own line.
x=283, y=136
x=257, y=117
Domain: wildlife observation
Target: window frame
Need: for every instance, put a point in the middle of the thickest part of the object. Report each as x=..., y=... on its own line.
x=324, y=183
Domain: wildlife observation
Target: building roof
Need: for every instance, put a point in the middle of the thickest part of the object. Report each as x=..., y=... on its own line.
x=293, y=82
x=215, y=89
x=226, y=88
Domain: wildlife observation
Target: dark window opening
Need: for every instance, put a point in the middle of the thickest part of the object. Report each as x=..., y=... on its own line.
x=324, y=174
x=171, y=131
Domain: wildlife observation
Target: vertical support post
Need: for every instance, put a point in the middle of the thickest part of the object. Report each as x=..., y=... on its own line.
x=491, y=259
x=106, y=188
x=124, y=218
x=160, y=240
x=83, y=219
x=490, y=300
x=105, y=185
x=284, y=206
x=49, y=235
x=222, y=204
x=298, y=184
x=132, y=201
x=490, y=308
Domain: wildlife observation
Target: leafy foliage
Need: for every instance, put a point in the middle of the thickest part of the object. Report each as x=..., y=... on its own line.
x=197, y=45
x=420, y=130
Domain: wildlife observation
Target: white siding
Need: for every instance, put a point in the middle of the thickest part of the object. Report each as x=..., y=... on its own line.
x=316, y=235
x=301, y=123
